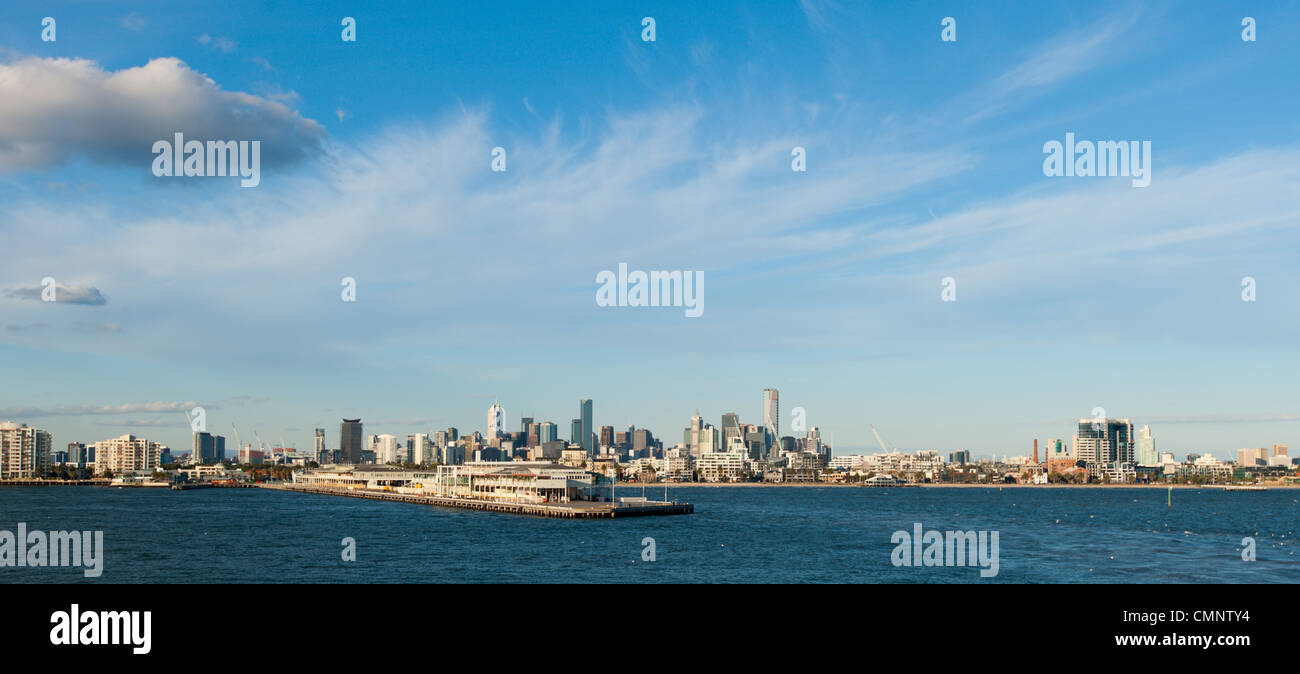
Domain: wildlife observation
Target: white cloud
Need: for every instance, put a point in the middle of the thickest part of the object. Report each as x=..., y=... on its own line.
x=55, y=109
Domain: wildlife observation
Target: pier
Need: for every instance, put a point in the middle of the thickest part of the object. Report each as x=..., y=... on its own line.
x=570, y=510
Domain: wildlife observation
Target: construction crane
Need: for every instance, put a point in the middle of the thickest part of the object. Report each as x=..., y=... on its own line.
x=238, y=447
x=877, y=434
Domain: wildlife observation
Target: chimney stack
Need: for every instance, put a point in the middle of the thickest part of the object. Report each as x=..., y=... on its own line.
x=1035, y=451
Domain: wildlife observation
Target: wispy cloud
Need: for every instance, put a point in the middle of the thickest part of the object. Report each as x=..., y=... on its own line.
x=85, y=410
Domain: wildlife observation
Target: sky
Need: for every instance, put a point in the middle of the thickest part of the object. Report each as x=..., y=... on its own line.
x=924, y=162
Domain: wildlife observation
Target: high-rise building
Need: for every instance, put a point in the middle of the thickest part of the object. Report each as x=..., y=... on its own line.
x=496, y=422
x=575, y=432
x=1146, y=448
x=127, y=453
x=547, y=431
x=350, y=440
x=1279, y=450
x=771, y=419
x=1104, y=442
x=388, y=451
x=207, y=448
x=731, y=431
x=319, y=451
x=588, y=436
x=960, y=457
x=420, y=449
x=23, y=451
x=607, y=436
x=1252, y=457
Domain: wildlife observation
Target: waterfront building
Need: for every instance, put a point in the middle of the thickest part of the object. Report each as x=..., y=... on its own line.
x=127, y=453
x=721, y=466
x=497, y=481
x=350, y=440
x=24, y=451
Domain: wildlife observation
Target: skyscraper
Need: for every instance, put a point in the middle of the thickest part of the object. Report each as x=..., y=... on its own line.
x=1104, y=441
x=319, y=448
x=771, y=419
x=1146, y=448
x=350, y=440
x=575, y=432
x=496, y=422
x=607, y=436
x=547, y=431
x=588, y=438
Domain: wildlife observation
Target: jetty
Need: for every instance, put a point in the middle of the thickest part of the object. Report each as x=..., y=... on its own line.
x=569, y=510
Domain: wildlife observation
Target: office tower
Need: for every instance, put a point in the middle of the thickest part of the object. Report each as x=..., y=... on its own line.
x=960, y=457
x=1146, y=448
x=419, y=448
x=318, y=449
x=584, y=413
x=1252, y=457
x=23, y=451
x=524, y=423
x=127, y=453
x=771, y=419
x=575, y=432
x=731, y=432
x=207, y=448
x=496, y=422
x=814, y=441
x=1057, y=450
x=1104, y=441
x=1279, y=450
x=77, y=454
x=453, y=434
x=350, y=440
x=547, y=431
x=641, y=439
x=534, y=434
x=607, y=436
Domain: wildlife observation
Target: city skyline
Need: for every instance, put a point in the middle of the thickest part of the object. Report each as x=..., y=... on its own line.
x=923, y=163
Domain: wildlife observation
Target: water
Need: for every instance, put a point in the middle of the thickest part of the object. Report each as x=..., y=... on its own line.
x=737, y=535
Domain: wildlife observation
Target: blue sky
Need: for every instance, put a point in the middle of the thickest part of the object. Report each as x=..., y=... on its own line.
x=924, y=162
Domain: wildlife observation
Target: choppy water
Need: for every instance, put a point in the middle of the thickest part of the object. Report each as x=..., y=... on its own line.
x=769, y=534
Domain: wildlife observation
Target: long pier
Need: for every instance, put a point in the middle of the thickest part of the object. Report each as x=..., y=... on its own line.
x=571, y=510
x=91, y=482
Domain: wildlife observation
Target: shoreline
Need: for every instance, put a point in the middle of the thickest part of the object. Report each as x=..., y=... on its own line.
x=941, y=485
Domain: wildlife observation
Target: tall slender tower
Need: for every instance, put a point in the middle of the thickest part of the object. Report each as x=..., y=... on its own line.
x=496, y=422
x=771, y=419
x=584, y=413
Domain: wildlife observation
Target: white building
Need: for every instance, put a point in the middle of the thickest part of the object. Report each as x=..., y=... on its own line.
x=721, y=466
x=127, y=453
x=23, y=450
x=387, y=450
